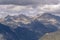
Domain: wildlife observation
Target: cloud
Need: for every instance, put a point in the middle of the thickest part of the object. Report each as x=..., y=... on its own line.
x=29, y=2
x=19, y=2
x=29, y=9
x=49, y=8
x=49, y=1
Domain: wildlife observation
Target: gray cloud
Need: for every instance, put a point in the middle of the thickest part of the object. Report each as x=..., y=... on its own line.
x=28, y=2
x=19, y=2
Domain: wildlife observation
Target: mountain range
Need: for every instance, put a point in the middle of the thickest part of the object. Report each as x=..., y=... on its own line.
x=23, y=27
x=46, y=19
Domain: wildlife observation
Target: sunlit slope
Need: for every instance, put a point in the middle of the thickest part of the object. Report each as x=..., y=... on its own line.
x=51, y=36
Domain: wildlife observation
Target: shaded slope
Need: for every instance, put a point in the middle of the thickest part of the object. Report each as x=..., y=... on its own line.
x=7, y=32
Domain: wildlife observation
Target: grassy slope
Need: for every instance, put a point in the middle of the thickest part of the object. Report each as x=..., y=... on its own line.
x=51, y=36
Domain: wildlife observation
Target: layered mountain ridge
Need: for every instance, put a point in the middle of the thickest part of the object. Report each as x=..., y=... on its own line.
x=31, y=27
x=46, y=19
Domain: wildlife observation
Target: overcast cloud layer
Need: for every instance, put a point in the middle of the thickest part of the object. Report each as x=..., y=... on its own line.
x=29, y=7
x=29, y=2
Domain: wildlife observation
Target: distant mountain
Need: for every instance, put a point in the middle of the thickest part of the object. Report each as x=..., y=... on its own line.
x=27, y=28
x=27, y=22
x=7, y=33
x=16, y=20
x=49, y=16
x=21, y=33
x=49, y=20
x=17, y=34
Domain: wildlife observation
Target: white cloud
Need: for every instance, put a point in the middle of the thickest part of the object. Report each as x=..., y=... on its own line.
x=48, y=8
x=28, y=10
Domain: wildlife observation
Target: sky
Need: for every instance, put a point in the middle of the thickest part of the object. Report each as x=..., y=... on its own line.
x=29, y=7
x=29, y=2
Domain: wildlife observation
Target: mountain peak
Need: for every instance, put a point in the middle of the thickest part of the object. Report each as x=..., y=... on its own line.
x=47, y=14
